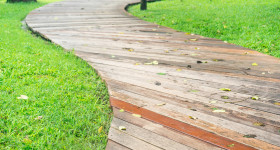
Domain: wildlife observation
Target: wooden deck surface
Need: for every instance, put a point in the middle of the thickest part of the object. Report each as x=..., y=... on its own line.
x=171, y=79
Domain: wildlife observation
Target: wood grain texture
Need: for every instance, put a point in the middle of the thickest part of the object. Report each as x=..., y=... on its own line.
x=120, y=47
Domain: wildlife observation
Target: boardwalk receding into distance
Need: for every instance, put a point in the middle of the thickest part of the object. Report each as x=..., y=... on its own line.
x=173, y=87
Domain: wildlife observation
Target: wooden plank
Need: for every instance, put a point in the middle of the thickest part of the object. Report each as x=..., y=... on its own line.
x=147, y=136
x=111, y=145
x=129, y=141
x=163, y=131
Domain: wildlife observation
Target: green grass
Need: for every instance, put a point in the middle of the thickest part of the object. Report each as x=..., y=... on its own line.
x=62, y=88
x=253, y=24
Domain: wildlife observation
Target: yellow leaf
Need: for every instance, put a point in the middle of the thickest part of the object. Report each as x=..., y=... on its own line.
x=166, y=51
x=225, y=26
x=194, y=118
x=196, y=48
x=265, y=50
x=178, y=69
x=100, y=129
x=255, y=98
x=231, y=145
x=193, y=39
x=259, y=124
x=123, y=128
x=137, y=64
x=246, y=53
x=121, y=110
x=161, y=104
x=254, y=64
x=130, y=50
x=136, y=115
x=277, y=103
x=187, y=33
x=225, y=89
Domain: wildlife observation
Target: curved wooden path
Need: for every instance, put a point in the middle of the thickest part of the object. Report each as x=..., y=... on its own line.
x=171, y=79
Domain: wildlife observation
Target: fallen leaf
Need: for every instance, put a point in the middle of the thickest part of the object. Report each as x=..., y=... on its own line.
x=187, y=33
x=225, y=26
x=194, y=54
x=225, y=41
x=122, y=128
x=224, y=97
x=166, y=51
x=179, y=70
x=157, y=83
x=154, y=29
x=265, y=50
x=245, y=53
x=196, y=48
x=175, y=50
x=121, y=110
x=152, y=63
x=225, y=89
x=199, y=62
x=193, y=109
x=137, y=64
x=22, y=97
x=250, y=136
x=136, y=115
x=100, y=129
x=129, y=49
x=39, y=118
x=161, y=104
x=193, y=39
x=255, y=98
x=258, y=124
x=194, y=118
x=277, y=103
x=215, y=60
x=230, y=145
x=219, y=110
x=113, y=56
x=254, y=64
x=26, y=140
x=194, y=90
x=161, y=73
x=213, y=102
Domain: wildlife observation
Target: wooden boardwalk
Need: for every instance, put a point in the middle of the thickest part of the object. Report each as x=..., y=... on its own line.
x=171, y=79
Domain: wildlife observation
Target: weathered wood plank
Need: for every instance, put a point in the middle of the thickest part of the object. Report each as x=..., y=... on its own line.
x=163, y=131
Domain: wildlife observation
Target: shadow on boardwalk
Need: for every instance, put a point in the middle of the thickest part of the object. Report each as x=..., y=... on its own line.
x=172, y=80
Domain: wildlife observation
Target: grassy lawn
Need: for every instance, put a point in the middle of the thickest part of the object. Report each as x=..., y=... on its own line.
x=253, y=24
x=67, y=102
